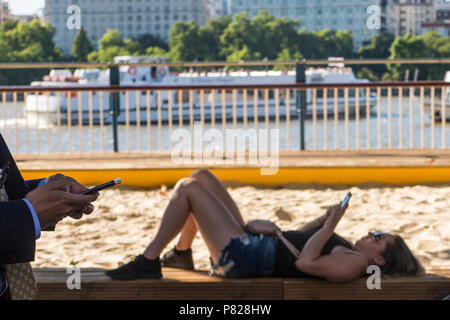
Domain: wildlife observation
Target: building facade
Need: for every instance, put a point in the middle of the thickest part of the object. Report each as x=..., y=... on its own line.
x=6, y=15
x=442, y=10
x=132, y=18
x=407, y=16
x=442, y=23
x=314, y=15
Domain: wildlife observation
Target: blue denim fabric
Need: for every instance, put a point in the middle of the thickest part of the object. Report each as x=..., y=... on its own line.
x=247, y=256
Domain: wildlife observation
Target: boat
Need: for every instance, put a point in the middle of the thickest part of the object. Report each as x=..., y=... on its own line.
x=91, y=107
x=438, y=114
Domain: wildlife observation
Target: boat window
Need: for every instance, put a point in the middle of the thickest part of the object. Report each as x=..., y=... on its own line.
x=341, y=93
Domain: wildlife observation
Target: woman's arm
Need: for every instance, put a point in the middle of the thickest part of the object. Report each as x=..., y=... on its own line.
x=313, y=247
x=337, y=267
x=316, y=223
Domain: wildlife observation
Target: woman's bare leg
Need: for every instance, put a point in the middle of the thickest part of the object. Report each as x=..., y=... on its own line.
x=212, y=184
x=187, y=234
x=214, y=220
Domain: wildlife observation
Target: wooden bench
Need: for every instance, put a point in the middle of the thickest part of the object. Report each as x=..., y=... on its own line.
x=198, y=285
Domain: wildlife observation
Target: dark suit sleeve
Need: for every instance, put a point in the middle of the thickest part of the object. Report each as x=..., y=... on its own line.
x=17, y=234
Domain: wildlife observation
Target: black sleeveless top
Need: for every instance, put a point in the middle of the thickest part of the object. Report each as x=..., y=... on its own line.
x=285, y=260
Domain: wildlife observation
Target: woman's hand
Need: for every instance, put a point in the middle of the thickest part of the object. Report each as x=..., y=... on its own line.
x=334, y=215
x=262, y=226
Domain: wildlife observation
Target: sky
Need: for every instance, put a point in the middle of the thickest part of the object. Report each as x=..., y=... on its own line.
x=25, y=6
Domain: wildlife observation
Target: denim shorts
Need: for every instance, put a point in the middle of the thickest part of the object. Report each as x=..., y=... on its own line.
x=247, y=256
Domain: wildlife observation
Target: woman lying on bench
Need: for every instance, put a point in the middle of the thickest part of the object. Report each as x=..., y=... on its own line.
x=259, y=248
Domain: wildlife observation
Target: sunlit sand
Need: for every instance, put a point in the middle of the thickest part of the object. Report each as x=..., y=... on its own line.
x=126, y=219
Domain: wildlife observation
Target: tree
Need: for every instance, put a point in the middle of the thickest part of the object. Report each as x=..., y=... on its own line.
x=156, y=52
x=287, y=55
x=308, y=43
x=112, y=45
x=239, y=36
x=344, y=44
x=81, y=46
x=407, y=46
x=377, y=48
x=245, y=54
x=366, y=73
x=211, y=34
x=26, y=42
x=437, y=47
x=185, y=42
x=149, y=40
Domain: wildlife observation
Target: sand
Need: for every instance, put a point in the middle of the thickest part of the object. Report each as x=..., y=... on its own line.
x=126, y=219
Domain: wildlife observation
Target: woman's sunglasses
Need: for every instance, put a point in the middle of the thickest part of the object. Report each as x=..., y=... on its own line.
x=378, y=235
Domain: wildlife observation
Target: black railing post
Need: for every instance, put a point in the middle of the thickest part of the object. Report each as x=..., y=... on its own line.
x=114, y=104
x=301, y=102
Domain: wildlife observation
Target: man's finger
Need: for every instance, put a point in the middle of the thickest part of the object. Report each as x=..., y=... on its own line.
x=88, y=209
x=76, y=216
x=81, y=200
x=75, y=186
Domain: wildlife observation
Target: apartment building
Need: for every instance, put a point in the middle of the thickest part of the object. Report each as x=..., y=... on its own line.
x=407, y=16
x=313, y=14
x=132, y=18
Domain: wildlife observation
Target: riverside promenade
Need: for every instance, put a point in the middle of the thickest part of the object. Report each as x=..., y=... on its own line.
x=371, y=168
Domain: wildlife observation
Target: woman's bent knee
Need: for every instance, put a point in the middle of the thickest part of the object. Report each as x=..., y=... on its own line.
x=201, y=174
x=186, y=183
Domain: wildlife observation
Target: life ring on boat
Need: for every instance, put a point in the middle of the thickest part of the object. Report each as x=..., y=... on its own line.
x=132, y=71
x=162, y=72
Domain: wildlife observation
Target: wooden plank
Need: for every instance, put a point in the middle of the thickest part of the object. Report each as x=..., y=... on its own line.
x=288, y=159
x=176, y=285
x=429, y=287
x=198, y=285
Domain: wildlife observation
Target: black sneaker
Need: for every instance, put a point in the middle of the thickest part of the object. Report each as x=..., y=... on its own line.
x=178, y=259
x=138, y=268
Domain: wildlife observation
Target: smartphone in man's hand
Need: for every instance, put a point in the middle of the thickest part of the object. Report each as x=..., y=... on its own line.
x=104, y=186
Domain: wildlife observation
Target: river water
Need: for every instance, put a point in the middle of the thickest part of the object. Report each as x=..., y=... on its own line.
x=15, y=128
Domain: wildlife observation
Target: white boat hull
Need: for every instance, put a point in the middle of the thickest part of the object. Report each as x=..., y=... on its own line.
x=46, y=109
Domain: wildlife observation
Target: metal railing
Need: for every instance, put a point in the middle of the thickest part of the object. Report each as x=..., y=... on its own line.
x=258, y=63
x=363, y=116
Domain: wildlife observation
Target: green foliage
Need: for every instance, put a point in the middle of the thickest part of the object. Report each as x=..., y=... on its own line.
x=287, y=55
x=377, y=48
x=81, y=46
x=366, y=73
x=26, y=42
x=245, y=54
x=429, y=45
x=149, y=40
x=112, y=45
x=211, y=33
x=156, y=52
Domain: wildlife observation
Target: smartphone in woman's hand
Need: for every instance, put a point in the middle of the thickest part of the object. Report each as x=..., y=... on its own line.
x=346, y=199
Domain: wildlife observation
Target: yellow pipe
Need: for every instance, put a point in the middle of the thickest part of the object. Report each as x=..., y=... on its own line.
x=149, y=178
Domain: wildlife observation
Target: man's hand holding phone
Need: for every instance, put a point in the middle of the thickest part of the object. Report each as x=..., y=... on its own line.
x=60, y=198
x=75, y=187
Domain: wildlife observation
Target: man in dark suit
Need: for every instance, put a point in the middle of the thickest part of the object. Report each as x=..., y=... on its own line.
x=33, y=206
